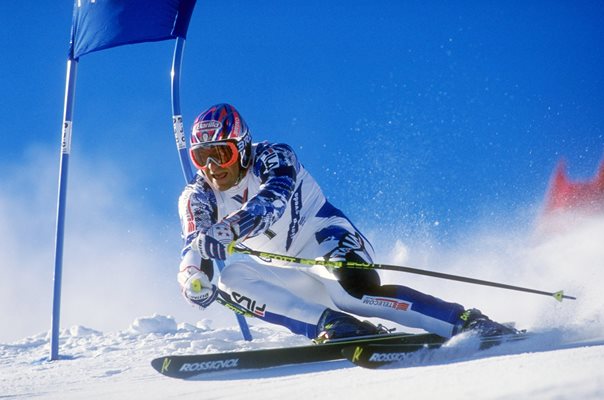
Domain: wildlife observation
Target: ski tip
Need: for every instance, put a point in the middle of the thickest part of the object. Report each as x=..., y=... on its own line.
x=161, y=365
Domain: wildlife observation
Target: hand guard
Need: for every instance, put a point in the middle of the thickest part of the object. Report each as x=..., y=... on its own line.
x=196, y=287
x=213, y=243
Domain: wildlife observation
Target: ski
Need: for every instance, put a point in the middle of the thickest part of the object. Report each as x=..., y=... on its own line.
x=187, y=366
x=375, y=355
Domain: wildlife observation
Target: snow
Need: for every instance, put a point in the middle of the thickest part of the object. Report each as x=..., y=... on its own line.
x=115, y=363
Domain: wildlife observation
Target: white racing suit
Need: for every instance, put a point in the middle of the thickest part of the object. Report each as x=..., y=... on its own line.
x=279, y=208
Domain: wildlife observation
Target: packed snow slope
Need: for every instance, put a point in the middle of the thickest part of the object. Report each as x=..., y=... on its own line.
x=116, y=364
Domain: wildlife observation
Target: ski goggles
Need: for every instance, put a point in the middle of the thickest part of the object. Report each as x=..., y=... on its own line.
x=223, y=154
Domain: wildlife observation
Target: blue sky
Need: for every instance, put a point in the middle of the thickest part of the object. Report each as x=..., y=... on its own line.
x=411, y=108
x=418, y=118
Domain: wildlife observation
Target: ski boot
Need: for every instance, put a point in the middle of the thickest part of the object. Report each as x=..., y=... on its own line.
x=475, y=321
x=337, y=325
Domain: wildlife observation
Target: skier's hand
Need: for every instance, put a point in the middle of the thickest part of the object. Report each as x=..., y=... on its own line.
x=197, y=287
x=213, y=243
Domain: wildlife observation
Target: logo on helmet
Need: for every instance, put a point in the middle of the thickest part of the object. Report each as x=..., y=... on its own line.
x=236, y=127
x=245, y=141
x=202, y=125
x=205, y=130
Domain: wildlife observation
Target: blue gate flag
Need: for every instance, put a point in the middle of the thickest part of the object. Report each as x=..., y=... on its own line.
x=102, y=24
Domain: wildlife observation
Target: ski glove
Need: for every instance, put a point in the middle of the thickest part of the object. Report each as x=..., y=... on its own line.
x=213, y=243
x=196, y=287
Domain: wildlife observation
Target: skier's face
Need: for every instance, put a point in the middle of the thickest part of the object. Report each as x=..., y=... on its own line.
x=222, y=178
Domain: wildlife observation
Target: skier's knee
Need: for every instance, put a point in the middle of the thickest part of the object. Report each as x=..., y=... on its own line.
x=357, y=282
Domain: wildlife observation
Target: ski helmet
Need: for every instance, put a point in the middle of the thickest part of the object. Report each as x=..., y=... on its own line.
x=222, y=123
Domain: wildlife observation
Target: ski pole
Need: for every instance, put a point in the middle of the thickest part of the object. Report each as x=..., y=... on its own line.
x=559, y=295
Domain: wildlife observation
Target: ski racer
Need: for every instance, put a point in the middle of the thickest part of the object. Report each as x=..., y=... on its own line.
x=260, y=196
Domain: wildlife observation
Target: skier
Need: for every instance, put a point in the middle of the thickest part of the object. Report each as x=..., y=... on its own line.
x=260, y=196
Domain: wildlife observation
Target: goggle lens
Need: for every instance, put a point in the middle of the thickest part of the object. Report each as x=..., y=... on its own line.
x=223, y=154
